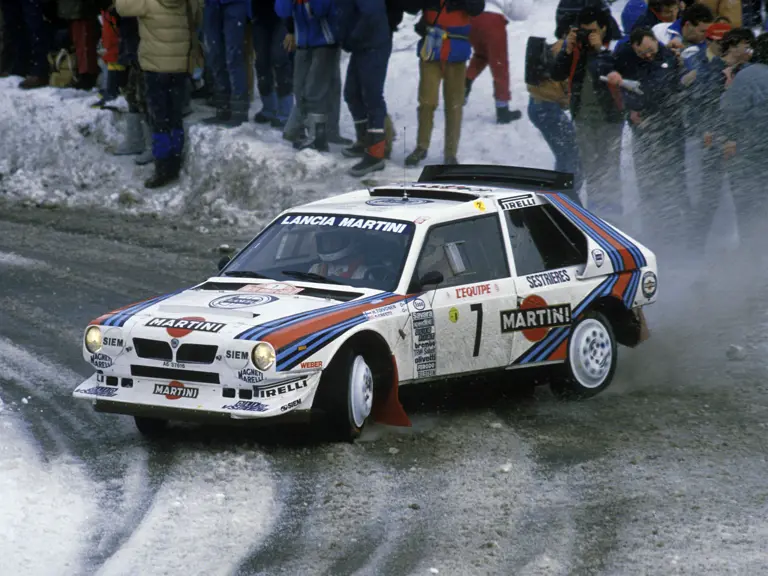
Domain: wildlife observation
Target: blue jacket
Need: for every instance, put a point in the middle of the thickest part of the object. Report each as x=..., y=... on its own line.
x=314, y=21
x=632, y=12
x=702, y=98
x=744, y=106
x=660, y=82
x=362, y=24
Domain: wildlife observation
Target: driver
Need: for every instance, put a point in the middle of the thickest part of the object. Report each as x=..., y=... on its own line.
x=339, y=256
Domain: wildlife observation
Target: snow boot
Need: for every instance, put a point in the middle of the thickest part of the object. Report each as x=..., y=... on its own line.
x=319, y=139
x=268, y=110
x=504, y=115
x=284, y=109
x=390, y=135
x=166, y=171
x=467, y=89
x=146, y=156
x=238, y=113
x=373, y=160
x=415, y=157
x=111, y=87
x=32, y=82
x=223, y=112
x=133, y=143
x=357, y=150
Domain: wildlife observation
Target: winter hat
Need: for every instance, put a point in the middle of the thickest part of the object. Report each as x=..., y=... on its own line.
x=717, y=31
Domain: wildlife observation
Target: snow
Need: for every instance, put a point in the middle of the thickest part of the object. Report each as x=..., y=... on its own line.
x=53, y=150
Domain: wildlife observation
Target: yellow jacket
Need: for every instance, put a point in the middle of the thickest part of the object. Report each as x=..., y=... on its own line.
x=731, y=9
x=167, y=32
x=551, y=91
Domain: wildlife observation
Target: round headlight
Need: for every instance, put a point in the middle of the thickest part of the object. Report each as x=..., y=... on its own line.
x=93, y=339
x=263, y=356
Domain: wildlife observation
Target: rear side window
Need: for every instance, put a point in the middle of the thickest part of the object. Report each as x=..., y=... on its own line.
x=465, y=252
x=543, y=239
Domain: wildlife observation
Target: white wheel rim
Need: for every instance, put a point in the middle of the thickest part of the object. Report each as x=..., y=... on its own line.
x=360, y=391
x=591, y=353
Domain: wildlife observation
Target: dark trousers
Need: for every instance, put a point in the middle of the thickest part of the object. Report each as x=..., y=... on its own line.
x=274, y=66
x=364, y=86
x=85, y=38
x=165, y=104
x=224, y=29
x=559, y=134
x=27, y=37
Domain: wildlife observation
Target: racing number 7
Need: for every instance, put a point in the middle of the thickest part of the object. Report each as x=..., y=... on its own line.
x=479, y=328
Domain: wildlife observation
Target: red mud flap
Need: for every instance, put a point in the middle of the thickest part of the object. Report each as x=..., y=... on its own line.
x=388, y=409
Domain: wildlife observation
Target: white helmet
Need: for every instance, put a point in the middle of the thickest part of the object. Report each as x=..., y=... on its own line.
x=333, y=245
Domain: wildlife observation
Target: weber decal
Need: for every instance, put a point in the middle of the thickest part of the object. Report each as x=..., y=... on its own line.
x=535, y=318
x=548, y=278
x=175, y=390
x=280, y=388
x=517, y=202
x=424, y=344
x=180, y=327
x=312, y=365
x=102, y=391
x=246, y=406
x=241, y=301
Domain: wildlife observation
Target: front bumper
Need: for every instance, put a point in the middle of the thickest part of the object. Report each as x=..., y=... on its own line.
x=276, y=398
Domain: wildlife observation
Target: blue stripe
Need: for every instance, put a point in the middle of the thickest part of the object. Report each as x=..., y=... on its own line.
x=637, y=255
x=613, y=254
x=120, y=318
x=260, y=331
x=629, y=292
x=293, y=347
x=289, y=363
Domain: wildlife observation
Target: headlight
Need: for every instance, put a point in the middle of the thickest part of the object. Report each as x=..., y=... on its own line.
x=263, y=356
x=93, y=339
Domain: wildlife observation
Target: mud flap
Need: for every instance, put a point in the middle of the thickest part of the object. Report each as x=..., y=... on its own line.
x=644, y=332
x=387, y=409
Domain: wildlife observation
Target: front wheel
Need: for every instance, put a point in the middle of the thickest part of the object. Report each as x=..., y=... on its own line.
x=591, y=361
x=151, y=427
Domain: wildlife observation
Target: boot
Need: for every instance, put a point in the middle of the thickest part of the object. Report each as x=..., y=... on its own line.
x=284, y=109
x=319, y=140
x=238, y=112
x=389, y=132
x=415, y=157
x=166, y=171
x=504, y=115
x=223, y=111
x=111, y=89
x=268, y=110
x=450, y=161
x=84, y=82
x=32, y=82
x=146, y=156
x=467, y=89
x=357, y=150
x=373, y=160
x=134, y=136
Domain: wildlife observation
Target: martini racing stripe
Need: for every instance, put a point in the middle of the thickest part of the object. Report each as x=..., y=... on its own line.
x=120, y=316
x=636, y=253
x=629, y=293
x=541, y=351
x=262, y=330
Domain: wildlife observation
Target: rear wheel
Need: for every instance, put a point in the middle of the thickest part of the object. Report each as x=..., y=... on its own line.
x=151, y=427
x=591, y=361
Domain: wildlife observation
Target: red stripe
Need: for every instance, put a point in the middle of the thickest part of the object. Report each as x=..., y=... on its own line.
x=621, y=285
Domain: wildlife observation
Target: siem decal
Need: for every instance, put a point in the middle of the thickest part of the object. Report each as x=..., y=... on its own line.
x=250, y=375
x=175, y=390
x=112, y=342
x=649, y=284
x=101, y=360
x=247, y=406
x=236, y=355
x=535, y=317
x=237, y=301
x=312, y=365
x=346, y=222
x=470, y=291
x=516, y=202
x=480, y=205
x=453, y=315
x=102, y=391
x=290, y=405
x=598, y=256
x=280, y=388
x=180, y=327
x=400, y=201
x=548, y=278
x=279, y=288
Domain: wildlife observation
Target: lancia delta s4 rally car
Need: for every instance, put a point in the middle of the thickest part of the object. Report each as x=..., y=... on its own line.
x=339, y=302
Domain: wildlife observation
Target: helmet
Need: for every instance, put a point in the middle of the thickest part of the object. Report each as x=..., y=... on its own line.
x=333, y=245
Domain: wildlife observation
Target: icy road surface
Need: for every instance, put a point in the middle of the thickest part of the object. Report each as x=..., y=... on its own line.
x=664, y=473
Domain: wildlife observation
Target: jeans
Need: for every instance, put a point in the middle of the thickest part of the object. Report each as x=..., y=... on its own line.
x=312, y=78
x=364, y=87
x=559, y=134
x=224, y=27
x=274, y=66
x=165, y=104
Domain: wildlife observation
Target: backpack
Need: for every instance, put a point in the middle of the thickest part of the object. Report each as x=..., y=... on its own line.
x=538, y=60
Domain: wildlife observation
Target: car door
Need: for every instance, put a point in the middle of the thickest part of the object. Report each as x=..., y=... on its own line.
x=549, y=252
x=456, y=323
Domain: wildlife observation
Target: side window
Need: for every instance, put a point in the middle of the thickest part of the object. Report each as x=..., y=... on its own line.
x=465, y=252
x=543, y=239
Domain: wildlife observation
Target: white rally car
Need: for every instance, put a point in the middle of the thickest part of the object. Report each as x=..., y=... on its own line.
x=338, y=303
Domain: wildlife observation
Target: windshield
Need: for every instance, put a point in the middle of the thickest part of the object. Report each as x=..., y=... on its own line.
x=328, y=248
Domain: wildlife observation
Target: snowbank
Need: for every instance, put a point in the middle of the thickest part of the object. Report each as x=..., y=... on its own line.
x=53, y=146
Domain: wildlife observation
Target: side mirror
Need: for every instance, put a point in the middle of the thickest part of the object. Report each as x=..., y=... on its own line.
x=433, y=277
x=223, y=262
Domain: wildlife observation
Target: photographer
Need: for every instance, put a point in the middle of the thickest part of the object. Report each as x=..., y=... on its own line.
x=595, y=108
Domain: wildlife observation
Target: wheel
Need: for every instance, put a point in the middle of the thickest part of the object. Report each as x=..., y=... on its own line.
x=591, y=361
x=151, y=427
x=346, y=395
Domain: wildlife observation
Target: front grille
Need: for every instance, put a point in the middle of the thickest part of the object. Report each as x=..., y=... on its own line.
x=174, y=374
x=152, y=349
x=196, y=353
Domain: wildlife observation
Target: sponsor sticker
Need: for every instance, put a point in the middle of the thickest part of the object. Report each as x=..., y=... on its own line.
x=399, y=201
x=548, y=278
x=290, y=405
x=247, y=406
x=236, y=359
x=241, y=301
x=101, y=360
x=102, y=391
x=279, y=288
x=419, y=304
x=280, y=388
x=649, y=284
x=421, y=219
x=453, y=315
x=598, y=256
x=535, y=318
x=383, y=312
x=180, y=327
x=424, y=344
x=346, y=222
x=312, y=365
x=175, y=390
x=480, y=205
x=517, y=202
x=250, y=375
x=471, y=291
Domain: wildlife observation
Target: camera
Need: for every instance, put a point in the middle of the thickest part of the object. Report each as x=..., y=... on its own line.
x=583, y=36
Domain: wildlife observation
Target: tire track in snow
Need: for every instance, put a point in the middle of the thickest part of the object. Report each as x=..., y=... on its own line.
x=10, y=259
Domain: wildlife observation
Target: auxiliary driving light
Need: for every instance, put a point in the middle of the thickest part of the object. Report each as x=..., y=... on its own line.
x=263, y=356
x=93, y=339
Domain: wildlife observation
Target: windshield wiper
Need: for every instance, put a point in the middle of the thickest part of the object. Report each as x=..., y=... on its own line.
x=246, y=274
x=310, y=276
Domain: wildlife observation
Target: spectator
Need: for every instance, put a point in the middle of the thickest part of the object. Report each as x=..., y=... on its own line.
x=274, y=66
x=167, y=54
x=444, y=50
x=595, y=108
x=315, y=64
x=82, y=18
x=488, y=36
x=116, y=72
x=690, y=29
x=658, y=11
x=567, y=14
x=224, y=38
x=364, y=32
x=731, y=9
x=26, y=39
x=738, y=49
x=632, y=12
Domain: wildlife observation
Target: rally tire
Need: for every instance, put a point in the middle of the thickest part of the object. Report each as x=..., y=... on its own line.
x=346, y=395
x=591, y=360
x=151, y=427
